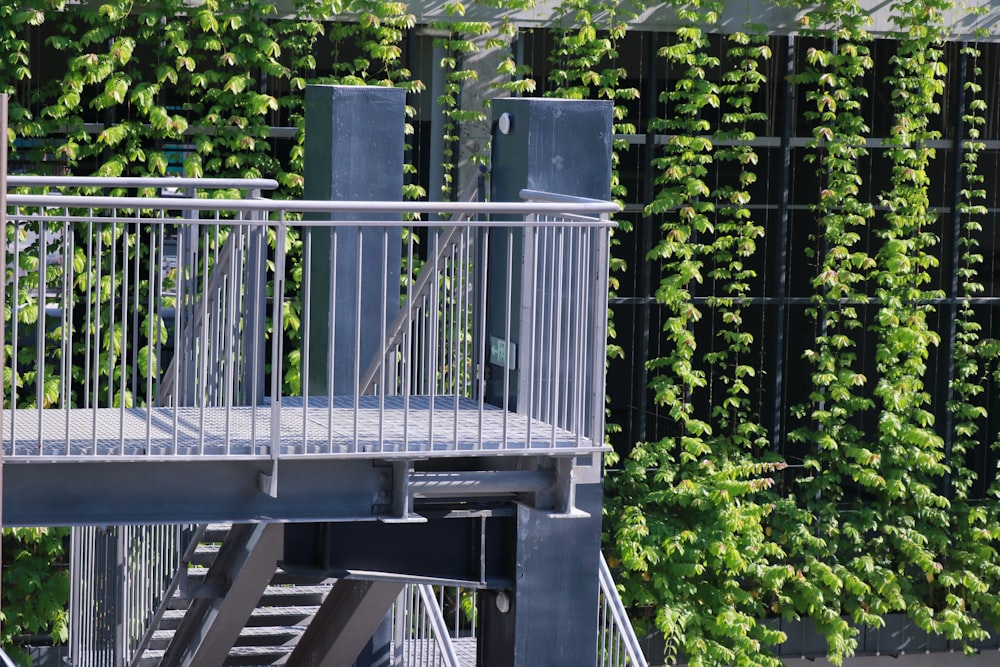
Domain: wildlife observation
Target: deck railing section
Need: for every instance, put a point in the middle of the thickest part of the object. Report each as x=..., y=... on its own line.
x=121, y=576
x=421, y=633
x=124, y=576
x=435, y=625
x=143, y=327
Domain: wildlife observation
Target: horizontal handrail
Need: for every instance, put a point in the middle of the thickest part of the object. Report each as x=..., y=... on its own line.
x=583, y=208
x=132, y=182
x=556, y=198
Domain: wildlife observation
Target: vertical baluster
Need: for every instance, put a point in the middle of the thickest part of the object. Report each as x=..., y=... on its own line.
x=179, y=346
x=65, y=325
x=357, y=336
x=200, y=320
x=383, y=309
x=332, y=351
x=124, y=351
x=482, y=341
x=406, y=349
x=508, y=304
x=42, y=245
x=277, y=327
x=306, y=314
x=559, y=241
x=433, y=330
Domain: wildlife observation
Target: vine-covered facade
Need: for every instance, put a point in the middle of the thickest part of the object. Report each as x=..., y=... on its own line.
x=803, y=371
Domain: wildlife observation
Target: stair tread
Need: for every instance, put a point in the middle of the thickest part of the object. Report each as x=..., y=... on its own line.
x=246, y=651
x=236, y=651
x=251, y=631
x=175, y=614
x=285, y=609
x=285, y=589
x=293, y=588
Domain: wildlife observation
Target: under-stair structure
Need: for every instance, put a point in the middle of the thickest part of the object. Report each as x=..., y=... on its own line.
x=303, y=432
x=430, y=625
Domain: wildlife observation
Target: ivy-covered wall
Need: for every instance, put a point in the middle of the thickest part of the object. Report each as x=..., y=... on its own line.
x=803, y=368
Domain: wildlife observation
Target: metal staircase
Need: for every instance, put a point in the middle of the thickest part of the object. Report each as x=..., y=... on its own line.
x=279, y=618
x=422, y=635
x=286, y=607
x=368, y=437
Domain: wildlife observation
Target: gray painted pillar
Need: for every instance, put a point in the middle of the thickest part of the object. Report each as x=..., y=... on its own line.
x=551, y=615
x=550, y=618
x=552, y=145
x=354, y=151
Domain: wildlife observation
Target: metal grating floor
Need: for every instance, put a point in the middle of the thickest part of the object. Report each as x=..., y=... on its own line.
x=420, y=652
x=392, y=426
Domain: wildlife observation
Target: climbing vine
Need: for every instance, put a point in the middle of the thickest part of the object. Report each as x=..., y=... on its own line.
x=693, y=509
x=35, y=587
x=967, y=572
x=912, y=514
x=838, y=455
x=869, y=508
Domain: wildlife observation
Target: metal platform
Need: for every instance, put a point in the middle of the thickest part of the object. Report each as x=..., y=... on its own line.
x=390, y=426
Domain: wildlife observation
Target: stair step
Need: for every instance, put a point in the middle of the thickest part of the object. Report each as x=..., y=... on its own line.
x=250, y=636
x=282, y=615
x=216, y=532
x=204, y=554
x=259, y=651
x=151, y=657
x=275, y=595
x=282, y=577
x=242, y=656
x=261, y=616
x=291, y=595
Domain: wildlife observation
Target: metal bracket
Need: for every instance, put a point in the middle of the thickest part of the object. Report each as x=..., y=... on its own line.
x=402, y=498
x=561, y=497
x=268, y=483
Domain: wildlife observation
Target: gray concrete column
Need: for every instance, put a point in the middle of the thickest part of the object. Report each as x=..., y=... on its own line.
x=550, y=616
x=354, y=151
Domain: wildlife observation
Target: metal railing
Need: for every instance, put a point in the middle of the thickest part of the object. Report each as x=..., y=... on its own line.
x=426, y=634
x=100, y=295
x=421, y=634
x=121, y=577
x=617, y=644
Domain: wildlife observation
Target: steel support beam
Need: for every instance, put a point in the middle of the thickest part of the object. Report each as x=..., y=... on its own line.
x=243, y=568
x=80, y=492
x=87, y=492
x=349, y=616
x=471, y=548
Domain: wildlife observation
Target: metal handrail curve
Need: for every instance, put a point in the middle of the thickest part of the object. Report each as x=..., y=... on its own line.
x=622, y=627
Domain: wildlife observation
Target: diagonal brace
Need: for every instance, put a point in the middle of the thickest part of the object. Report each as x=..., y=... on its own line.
x=347, y=619
x=243, y=568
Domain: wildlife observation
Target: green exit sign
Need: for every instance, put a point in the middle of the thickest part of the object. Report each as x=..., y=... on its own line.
x=501, y=355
